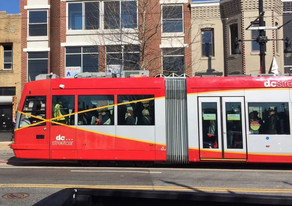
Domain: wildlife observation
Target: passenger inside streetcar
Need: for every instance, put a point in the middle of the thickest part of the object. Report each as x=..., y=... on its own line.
x=269, y=118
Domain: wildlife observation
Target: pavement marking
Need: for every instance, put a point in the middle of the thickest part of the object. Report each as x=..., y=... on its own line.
x=115, y=171
x=154, y=188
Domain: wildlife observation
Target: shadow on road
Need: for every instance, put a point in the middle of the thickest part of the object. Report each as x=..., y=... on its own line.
x=75, y=163
x=113, y=197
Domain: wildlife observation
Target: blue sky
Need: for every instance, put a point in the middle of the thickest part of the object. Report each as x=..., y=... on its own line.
x=11, y=6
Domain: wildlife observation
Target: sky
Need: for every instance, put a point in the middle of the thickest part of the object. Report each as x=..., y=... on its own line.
x=10, y=6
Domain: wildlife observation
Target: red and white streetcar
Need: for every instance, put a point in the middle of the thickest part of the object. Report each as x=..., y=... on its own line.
x=238, y=119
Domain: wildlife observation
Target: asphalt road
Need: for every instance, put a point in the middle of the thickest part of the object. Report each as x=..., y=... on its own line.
x=40, y=180
x=26, y=182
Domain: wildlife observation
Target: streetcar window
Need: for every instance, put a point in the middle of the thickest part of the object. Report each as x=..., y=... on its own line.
x=136, y=110
x=33, y=111
x=63, y=109
x=95, y=110
x=234, y=125
x=269, y=118
x=210, y=125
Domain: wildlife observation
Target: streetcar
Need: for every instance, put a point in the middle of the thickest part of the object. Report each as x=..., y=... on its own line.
x=165, y=119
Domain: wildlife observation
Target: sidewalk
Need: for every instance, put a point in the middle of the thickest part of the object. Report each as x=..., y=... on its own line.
x=5, y=151
x=5, y=145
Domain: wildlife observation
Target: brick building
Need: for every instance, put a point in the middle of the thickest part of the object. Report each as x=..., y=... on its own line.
x=69, y=37
x=216, y=26
x=10, y=68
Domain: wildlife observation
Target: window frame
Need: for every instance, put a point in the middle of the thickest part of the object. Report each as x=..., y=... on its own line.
x=38, y=23
x=84, y=15
x=212, y=42
x=5, y=52
x=122, y=51
x=255, y=46
x=82, y=53
x=233, y=28
x=120, y=24
x=173, y=54
x=172, y=19
x=36, y=59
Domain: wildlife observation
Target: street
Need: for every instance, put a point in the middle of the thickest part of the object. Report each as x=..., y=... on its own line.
x=26, y=182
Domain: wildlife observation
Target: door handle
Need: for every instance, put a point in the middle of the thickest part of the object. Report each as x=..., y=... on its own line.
x=40, y=136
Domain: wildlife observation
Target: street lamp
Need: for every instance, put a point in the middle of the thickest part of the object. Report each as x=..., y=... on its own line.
x=262, y=39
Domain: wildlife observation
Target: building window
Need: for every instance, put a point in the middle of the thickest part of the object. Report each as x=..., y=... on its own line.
x=126, y=57
x=83, y=16
x=8, y=57
x=207, y=42
x=173, y=60
x=38, y=23
x=7, y=91
x=119, y=14
x=131, y=57
x=254, y=35
x=172, y=19
x=86, y=58
x=234, y=38
x=37, y=64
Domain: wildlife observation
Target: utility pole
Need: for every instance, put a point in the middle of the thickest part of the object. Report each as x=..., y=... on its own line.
x=262, y=38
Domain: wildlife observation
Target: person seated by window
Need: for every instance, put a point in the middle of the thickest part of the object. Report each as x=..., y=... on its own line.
x=104, y=118
x=146, y=118
x=212, y=135
x=24, y=121
x=271, y=122
x=255, y=123
x=130, y=118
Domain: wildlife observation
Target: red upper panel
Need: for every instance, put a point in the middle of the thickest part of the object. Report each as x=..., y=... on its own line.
x=228, y=83
x=109, y=83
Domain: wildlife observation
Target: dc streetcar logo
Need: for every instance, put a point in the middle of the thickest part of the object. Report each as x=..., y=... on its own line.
x=275, y=83
x=62, y=140
x=59, y=137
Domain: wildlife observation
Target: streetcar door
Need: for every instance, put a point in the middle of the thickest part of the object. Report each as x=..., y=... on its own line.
x=234, y=136
x=32, y=134
x=222, y=133
x=210, y=128
x=62, y=129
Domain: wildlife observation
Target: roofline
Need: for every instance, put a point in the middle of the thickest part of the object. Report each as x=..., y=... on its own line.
x=205, y=3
